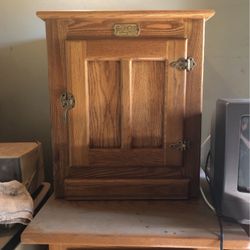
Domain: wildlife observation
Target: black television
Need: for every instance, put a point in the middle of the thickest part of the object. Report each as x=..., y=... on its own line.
x=229, y=168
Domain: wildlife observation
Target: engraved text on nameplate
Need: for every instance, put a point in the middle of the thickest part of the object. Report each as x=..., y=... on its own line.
x=126, y=29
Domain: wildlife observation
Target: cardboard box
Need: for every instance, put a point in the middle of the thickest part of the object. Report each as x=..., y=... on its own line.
x=22, y=161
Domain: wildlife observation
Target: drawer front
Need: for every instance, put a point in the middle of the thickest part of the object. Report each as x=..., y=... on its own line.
x=80, y=29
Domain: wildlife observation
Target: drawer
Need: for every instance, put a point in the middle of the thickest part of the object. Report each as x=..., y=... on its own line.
x=130, y=28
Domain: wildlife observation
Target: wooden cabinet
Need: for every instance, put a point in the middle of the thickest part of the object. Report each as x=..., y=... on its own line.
x=126, y=93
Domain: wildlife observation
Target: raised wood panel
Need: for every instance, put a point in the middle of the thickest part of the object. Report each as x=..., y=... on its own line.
x=104, y=104
x=91, y=189
x=148, y=81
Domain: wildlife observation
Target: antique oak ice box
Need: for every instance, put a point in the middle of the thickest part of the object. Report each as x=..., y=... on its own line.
x=125, y=91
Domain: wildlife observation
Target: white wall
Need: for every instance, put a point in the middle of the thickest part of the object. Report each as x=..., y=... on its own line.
x=24, y=103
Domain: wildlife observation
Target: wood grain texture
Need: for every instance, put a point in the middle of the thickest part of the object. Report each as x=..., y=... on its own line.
x=130, y=103
x=104, y=104
x=148, y=80
x=193, y=110
x=131, y=224
x=72, y=247
x=16, y=149
x=148, y=157
x=55, y=36
x=126, y=112
x=120, y=189
x=57, y=247
x=118, y=248
x=103, y=28
x=78, y=117
x=127, y=172
x=126, y=49
x=150, y=14
x=175, y=102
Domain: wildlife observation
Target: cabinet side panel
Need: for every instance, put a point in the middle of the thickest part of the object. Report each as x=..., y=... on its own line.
x=148, y=80
x=56, y=33
x=104, y=104
x=192, y=129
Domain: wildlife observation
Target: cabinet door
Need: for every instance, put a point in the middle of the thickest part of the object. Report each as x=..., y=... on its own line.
x=129, y=107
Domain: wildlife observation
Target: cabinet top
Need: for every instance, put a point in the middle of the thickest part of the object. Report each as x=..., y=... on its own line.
x=161, y=14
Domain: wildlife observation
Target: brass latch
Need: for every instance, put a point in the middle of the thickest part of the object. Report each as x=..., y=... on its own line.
x=68, y=102
x=181, y=145
x=184, y=64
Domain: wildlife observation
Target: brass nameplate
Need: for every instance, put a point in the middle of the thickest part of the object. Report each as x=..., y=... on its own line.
x=126, y=29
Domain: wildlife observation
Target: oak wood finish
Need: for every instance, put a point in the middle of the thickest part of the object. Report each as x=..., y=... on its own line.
x=131, y=104
x=79, y=29
x=58, y=247
x=194, y=90
x=56, y=34
x=127, y=172
x=16, y=149
x=94, y=189
x=158, y=14
x=131, y=225
x=55, y=247
x=105, y=105
x=147, y=104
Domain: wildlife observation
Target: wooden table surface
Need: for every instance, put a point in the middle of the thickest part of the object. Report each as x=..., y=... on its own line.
x=188, y=224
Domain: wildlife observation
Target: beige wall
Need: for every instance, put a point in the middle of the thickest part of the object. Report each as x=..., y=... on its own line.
x=24, y=103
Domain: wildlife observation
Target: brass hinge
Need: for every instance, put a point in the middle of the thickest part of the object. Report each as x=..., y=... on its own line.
x=184, y=64
x=68, y=102
x=181, y=145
